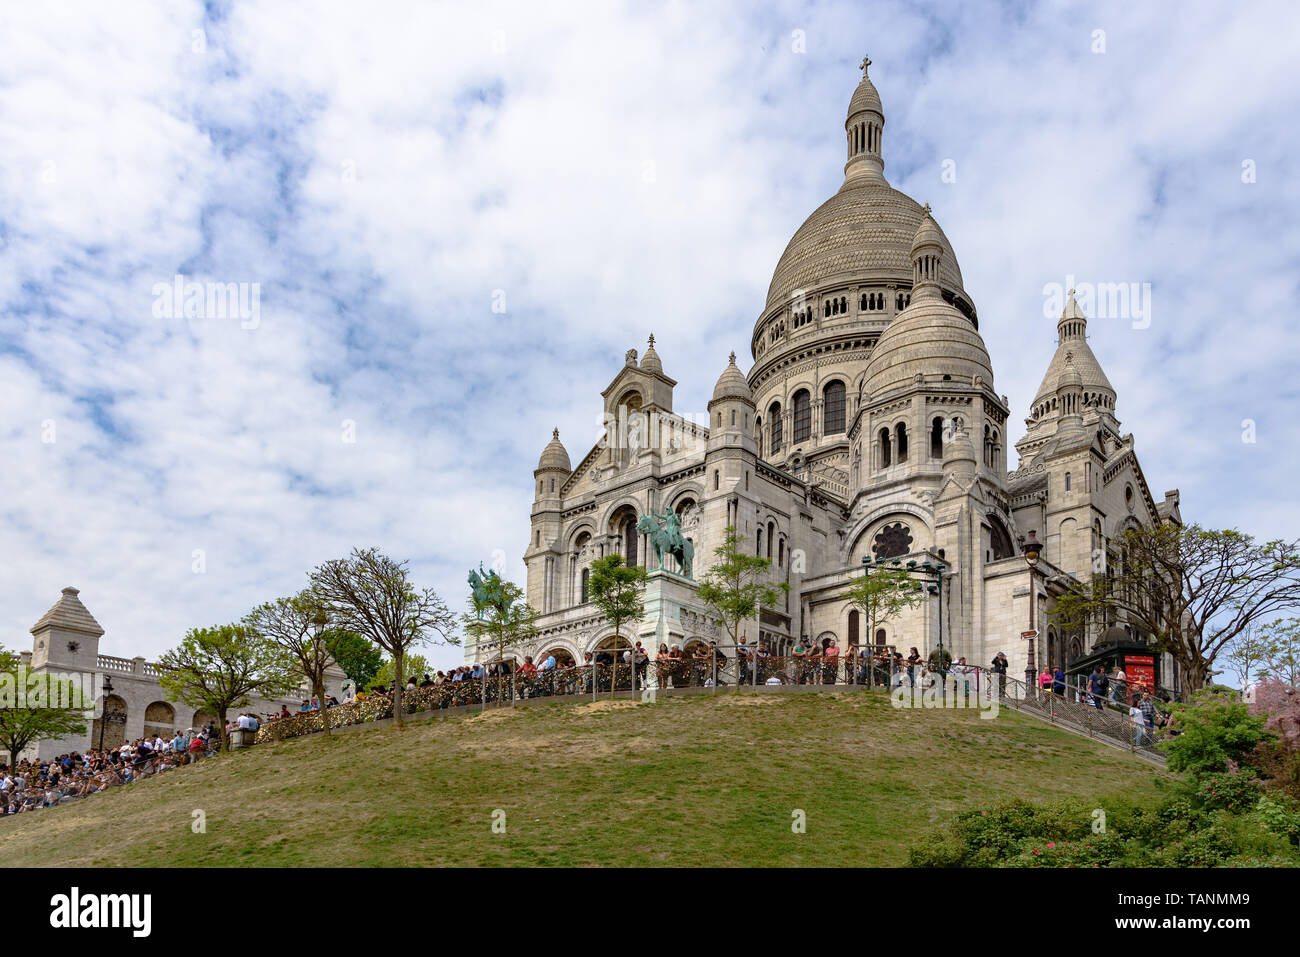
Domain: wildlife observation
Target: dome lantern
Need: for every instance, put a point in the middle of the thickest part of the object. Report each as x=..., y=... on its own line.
x=863, y=129
x=927, y=257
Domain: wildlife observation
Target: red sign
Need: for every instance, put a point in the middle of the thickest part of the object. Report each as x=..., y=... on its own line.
x=1029, y=634
x=1140, y=670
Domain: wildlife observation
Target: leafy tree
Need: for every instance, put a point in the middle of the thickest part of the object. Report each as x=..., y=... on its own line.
x=500, y=617
x=1192, y=589
x=372, y=595
x=416, y=667
x=1246, y=652
x=221, y=667
x=1281, y=652
x=736, y=585
x=883, y=594
x=1218, y=732
x=618, y=590
x=57, y=711
x=299, y=626
x=359, y=659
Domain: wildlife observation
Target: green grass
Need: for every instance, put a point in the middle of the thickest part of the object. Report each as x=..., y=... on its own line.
x=688, y=781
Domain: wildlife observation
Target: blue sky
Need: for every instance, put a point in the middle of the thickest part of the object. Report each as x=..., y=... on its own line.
x=386, y=173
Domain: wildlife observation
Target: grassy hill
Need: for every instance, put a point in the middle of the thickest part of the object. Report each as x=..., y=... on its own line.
x=688, y=781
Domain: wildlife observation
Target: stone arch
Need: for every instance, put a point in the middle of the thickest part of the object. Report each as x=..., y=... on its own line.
x=565, y=657
x=922, y=531
x=159, y=718
x=576, y=529
x=1000, y=542
x=605, y=525
x=114, y=729
x=202, y=717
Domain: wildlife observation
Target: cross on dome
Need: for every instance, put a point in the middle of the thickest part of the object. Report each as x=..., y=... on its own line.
x=866, y=62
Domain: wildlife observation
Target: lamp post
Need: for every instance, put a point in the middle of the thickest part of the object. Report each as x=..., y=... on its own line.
x=105, y=715
x=927, y=575
x=1032, y=550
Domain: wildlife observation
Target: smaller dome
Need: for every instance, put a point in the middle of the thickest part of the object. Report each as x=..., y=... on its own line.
x=1070, y=377
x=931, y=340
x=554, y=456
x=927, y=234
x=732, y=385
x=650, y=361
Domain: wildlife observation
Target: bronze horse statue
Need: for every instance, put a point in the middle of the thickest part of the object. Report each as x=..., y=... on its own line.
x=667, y=540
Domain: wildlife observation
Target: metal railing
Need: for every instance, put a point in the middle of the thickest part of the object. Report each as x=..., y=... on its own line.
x=1077, y=710
x=704, y=673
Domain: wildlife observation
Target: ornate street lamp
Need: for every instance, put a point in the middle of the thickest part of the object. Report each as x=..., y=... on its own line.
x=105, y=715
x=1032, y=550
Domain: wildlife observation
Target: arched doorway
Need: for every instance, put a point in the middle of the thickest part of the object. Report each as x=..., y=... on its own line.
x=109, y=729
x=612, y=648
x=160, y=719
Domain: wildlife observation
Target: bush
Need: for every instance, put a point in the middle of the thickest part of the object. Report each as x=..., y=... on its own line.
x=1216, y=733
x=1222, y=820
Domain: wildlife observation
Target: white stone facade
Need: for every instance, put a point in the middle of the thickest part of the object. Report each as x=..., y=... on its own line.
x=867, y=425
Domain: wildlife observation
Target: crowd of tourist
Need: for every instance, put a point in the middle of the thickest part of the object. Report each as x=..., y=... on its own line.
x=32, y=785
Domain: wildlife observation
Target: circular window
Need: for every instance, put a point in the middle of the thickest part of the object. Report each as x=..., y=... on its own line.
x=1128, y=496
x=892, y=541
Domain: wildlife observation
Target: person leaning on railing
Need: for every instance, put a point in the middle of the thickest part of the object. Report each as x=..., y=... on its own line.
x=830, y=662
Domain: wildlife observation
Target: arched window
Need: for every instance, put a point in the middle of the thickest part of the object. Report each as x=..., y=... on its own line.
x=844, y=303
x=774, y=428
x=630, y=541
x=758, y=433
x=758, y=545
x=885, y=460
x=802, y=417
x=901, y=441
x=854, y=619
x=936, y=438
x=1067, y=481
x=586, y=574
x=717, y=477
x=999, y=540
x=880, y=636
x=771, y=534
x=864, y=301
x=833, y=408
x=780, y=554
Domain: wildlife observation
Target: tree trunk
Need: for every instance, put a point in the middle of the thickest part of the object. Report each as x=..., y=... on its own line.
x=399, y=684
x=221, y=729
x=318, y=689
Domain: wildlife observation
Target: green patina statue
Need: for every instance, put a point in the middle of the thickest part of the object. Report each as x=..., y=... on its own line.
x=481, y=584
x=667, y=539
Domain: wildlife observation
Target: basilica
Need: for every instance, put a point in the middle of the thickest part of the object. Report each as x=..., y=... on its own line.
x=868, y=425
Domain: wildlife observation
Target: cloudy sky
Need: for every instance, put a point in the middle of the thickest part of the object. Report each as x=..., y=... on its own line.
x=456, y=218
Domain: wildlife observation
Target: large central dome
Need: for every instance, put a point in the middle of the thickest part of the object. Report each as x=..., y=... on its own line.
x=864, y=231
x=863, y=234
